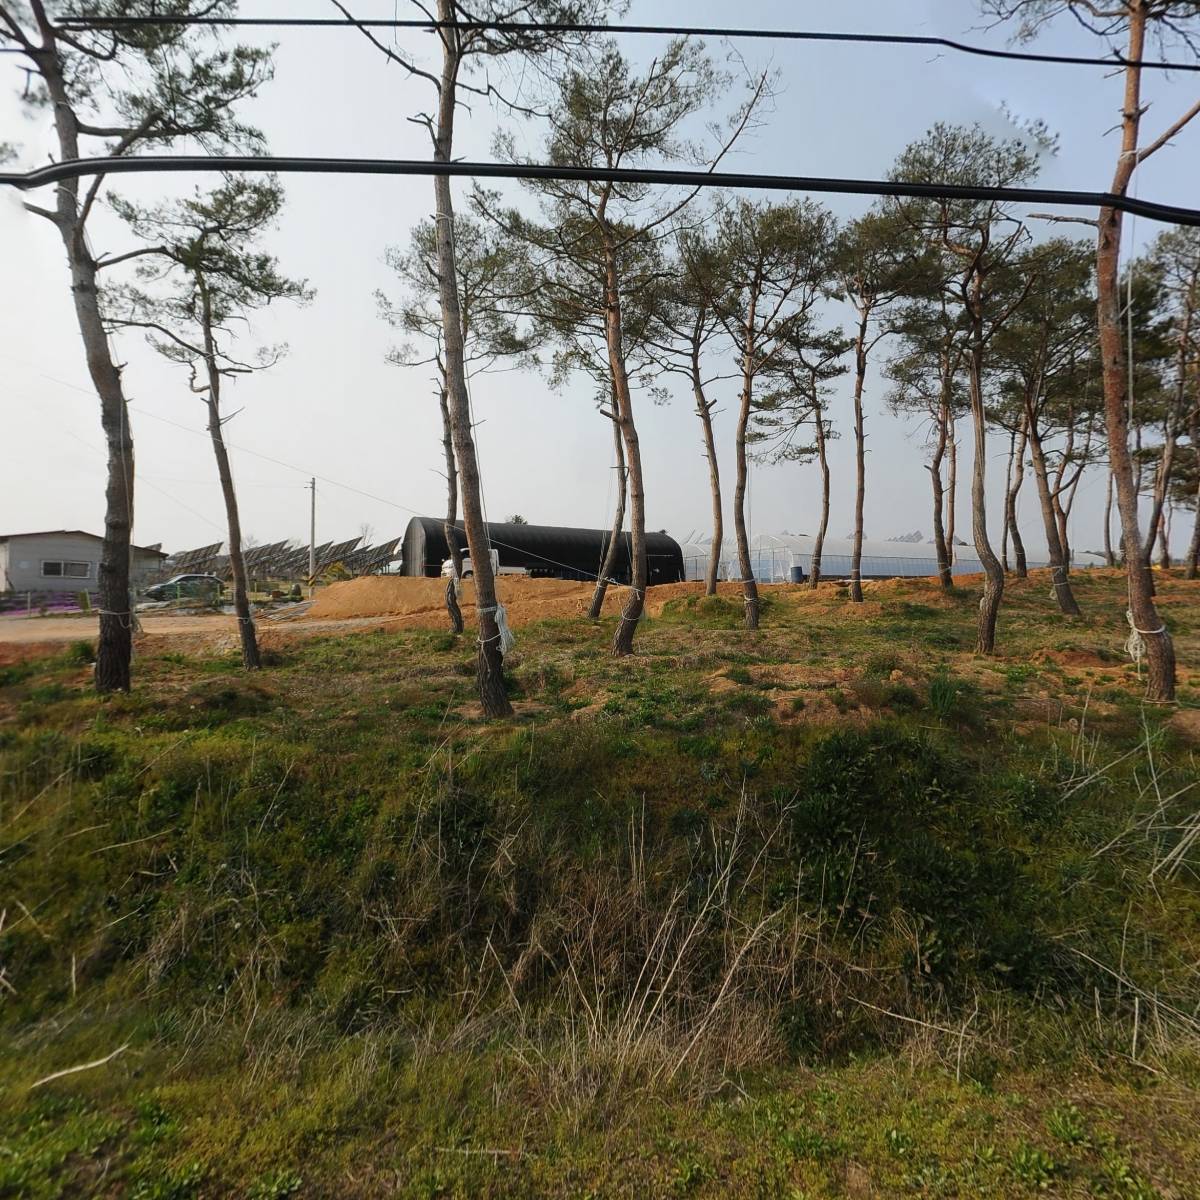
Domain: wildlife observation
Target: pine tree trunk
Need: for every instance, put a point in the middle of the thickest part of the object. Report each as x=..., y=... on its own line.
x=1193, y=554
x=1144, y=616
x=631, y=614
x=945, y=577
x=1164, y=542
x=704, y=412
x=1064, y=535
x=952, y=491
x=448, y=526
x=1019, y=560
x=860, y=455
x=1008, y=472
x=1171, y=424
x=614, y=537
x=749, y=583
x=814, y=573
x=115, y=649
x=1110, y=557
x=993, y=586
x=1162, y=481
x=1059, y=567
x=490, y=659
x=251, y=659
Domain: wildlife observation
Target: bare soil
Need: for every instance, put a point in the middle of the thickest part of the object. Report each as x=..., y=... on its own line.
x=420, y=603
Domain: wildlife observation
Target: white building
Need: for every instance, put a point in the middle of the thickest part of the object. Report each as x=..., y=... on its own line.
x=65, y=560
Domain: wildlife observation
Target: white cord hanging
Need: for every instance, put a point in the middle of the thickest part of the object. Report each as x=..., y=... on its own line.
x=1058, y=576
x=1135, y=643
x=507, y=639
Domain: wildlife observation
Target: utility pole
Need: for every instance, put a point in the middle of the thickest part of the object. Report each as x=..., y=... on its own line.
x=312, y=532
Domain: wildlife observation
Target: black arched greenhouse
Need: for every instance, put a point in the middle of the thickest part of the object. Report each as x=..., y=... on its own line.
x=548, y=551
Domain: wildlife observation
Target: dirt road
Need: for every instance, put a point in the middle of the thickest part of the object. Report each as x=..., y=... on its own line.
x=391, y=602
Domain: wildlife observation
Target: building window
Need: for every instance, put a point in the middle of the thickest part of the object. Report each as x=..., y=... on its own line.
x=58, y=569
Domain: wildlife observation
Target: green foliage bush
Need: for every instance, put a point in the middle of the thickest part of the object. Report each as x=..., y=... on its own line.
x=887, y=822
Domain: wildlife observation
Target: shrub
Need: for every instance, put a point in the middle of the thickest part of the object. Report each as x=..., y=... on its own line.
x=880, y=665
x=954, y=700
x=883, y=824
x=81, y=652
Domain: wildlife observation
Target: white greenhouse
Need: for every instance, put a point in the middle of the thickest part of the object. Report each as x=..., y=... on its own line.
x=787, y=557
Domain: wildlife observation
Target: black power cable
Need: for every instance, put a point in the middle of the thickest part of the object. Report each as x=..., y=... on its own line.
x=190, y=164
x=79, y=24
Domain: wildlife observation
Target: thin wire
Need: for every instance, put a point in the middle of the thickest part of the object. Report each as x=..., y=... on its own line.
x=80, y=24
x=189, y=163
x=142, y=479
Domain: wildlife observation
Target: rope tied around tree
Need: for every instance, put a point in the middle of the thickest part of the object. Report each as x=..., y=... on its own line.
x=640, y=594
x=127, y=619
x=1058, y=578
x=1135, y=644
x=503, y=633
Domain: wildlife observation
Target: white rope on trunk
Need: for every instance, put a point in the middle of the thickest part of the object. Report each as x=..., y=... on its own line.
x=1135, y=644
x=1058, y=576
x=506, y=636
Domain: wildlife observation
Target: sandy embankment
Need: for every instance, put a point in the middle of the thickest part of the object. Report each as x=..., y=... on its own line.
x=421, y=603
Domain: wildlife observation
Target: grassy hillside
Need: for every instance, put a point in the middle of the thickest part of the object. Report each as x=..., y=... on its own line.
x=835, y=909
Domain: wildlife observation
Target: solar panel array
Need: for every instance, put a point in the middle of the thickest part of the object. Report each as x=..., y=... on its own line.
x=260, y=560
x=286, y=560
x=368, y=560
x=194, y=562
x=336, y=553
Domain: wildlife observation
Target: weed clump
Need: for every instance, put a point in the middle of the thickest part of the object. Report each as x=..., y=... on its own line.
x=887, y=834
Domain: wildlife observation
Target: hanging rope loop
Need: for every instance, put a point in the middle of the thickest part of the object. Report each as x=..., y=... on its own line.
x=1135, y=643
x=503, y=633
x=1058, y=577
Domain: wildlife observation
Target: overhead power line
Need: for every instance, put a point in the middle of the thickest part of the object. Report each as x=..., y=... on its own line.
x=78, y=24
x=191, y=164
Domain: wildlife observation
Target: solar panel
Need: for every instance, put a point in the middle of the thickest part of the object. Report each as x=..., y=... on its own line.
x=369, y=559
x=259, y=559
x=194, y=562
x=380, y=557
x=336, y=553
x=273, y=566
x=293, y=564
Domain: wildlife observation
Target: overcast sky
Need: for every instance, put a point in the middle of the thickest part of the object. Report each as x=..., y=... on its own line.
x=335, y=409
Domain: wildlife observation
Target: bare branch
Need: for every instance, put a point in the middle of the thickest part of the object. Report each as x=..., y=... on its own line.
x=411, y=68
x=120, y=258
x=1168, y=134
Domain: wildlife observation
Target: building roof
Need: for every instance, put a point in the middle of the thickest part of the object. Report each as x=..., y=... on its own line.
x=6, y=537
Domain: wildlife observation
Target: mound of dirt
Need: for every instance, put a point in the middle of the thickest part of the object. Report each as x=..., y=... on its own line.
x=421, y=603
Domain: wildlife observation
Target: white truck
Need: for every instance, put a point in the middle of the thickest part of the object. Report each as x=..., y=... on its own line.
x=467, y=572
